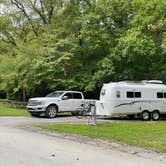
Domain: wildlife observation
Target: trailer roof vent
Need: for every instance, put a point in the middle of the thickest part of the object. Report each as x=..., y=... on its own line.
x=154, y=82
x=131, y=82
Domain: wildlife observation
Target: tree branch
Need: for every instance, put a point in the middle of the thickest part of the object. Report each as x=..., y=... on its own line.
x=40, y=13
x=10, y=39
x=50, y=13
x=21, y=7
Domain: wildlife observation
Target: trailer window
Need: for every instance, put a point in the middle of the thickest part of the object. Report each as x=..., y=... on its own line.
x=103, y=92
x=137, y=94
x=160, y=95
x=118, y=94
x=164, y=95
x=130, y=94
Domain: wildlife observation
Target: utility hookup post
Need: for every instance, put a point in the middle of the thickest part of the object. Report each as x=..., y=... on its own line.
x=93, y=113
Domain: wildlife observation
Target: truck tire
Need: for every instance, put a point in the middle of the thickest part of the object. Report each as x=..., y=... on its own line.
x=51, y=111
x=145, y=115
x=155, y=115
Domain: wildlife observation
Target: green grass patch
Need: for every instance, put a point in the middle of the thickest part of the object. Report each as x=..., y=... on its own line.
x=151, y=135
x=9, y=111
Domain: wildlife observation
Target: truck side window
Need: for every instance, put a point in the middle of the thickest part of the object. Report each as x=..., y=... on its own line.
x=118, y=94
x=69, y=95
x=130, y=94
x=137, y=94
x=160, y=95
x=77, y=96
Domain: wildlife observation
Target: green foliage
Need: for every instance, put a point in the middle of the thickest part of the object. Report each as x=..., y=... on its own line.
x=135, y=52
x=52, y=45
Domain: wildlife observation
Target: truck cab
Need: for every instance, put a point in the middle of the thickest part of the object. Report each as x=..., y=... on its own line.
x=58, y=101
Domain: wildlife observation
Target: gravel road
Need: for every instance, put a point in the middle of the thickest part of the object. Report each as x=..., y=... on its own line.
x=21, y=147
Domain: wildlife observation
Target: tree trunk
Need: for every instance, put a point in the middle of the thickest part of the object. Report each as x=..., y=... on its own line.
x=23, y=95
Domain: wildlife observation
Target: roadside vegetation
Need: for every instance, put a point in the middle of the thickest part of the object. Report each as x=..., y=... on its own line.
x=48, y=45
x=9, y=111
x=150, y=135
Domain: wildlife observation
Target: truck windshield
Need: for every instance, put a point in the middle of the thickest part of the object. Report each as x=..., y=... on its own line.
x=55, y=94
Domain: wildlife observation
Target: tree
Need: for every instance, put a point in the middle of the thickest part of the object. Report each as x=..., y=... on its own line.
x=48, y=45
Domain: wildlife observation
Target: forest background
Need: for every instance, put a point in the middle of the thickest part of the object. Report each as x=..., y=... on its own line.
x=48, y=45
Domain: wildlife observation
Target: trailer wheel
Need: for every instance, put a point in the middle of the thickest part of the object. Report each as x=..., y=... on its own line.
x=145, y=115
x=155, y=115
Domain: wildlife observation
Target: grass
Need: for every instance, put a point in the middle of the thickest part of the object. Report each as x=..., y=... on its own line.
x=150, y=135
x=9, y=111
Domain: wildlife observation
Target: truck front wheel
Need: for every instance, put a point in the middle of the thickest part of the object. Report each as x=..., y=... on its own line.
x=51, y=111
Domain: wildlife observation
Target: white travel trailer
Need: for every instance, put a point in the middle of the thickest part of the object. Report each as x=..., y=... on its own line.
x=146, y=99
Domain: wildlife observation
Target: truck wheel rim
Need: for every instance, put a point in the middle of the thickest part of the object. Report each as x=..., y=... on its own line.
x=52, y=112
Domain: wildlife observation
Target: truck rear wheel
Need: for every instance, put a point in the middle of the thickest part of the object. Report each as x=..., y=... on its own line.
x=145, y=115
x=155, y=115
x=51, y=111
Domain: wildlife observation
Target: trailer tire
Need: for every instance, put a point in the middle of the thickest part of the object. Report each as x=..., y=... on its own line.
x=155, y=115
x=145, y=115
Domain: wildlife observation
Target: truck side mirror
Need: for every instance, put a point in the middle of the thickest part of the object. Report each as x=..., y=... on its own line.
x=65, y=98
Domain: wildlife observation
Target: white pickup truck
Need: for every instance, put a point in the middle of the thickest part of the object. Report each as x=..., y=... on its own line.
x=58, y=101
